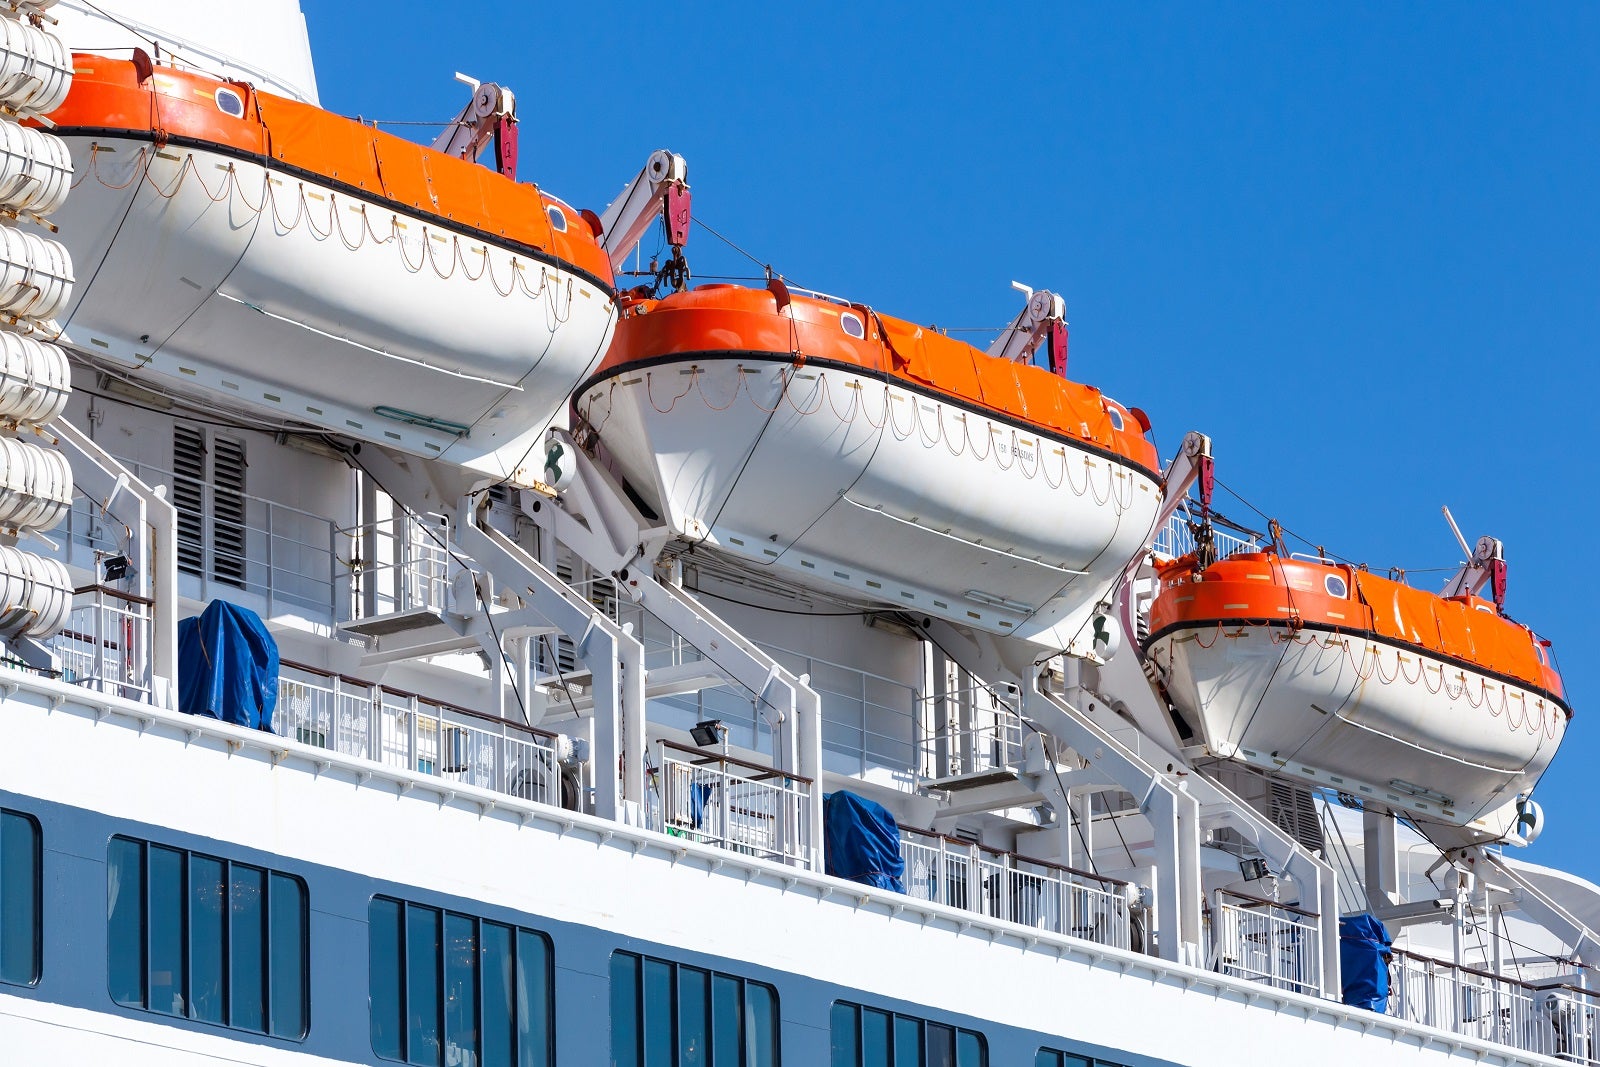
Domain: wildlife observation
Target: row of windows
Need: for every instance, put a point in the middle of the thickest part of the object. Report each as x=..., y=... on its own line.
x=209, y=939
x=867, y=1037
x=206, y=938
x=452, y=989
x=666, y=1014
x=1049, y=1057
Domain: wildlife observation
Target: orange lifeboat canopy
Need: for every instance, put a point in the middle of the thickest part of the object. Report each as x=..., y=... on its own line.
x=731, y=321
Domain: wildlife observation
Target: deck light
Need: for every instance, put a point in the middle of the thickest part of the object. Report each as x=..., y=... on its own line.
x=709, y=732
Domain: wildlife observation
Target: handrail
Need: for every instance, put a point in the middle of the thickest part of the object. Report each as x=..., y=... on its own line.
x=115, y=594
x=1476, y=972
x=1264, y=902
x=717, y=757
x=1103, y=879
x=408, y=695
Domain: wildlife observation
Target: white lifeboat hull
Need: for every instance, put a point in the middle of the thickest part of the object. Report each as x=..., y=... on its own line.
x=877, y=493
x=205, y=274
x=1386, y=724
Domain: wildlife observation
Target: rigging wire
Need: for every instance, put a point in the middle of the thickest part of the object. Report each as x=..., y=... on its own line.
x=701, y=222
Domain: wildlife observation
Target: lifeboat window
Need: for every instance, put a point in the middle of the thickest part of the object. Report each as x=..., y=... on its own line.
x=1335, y=586
x=558, y=218
x=852, y=325
x=230, y=102
x=1484, y=607
x=1116, y=418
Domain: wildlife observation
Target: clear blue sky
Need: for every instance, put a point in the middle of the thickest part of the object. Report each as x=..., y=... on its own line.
x=1359, y=246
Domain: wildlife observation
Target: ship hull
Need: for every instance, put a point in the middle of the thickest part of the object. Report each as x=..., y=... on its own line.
x=858, y=485
x=1372, y=718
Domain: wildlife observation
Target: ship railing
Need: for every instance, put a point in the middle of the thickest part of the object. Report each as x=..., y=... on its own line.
x=1004, y=885
x=1265, y=941
x=869, y=720
x=732, y=803
x=395, y=565
x=1558, y=1022
x=228, y=543
x=1566, y=1024
x=105, y=645
x=1177, y=539
x=991, y=741
x=412, y=732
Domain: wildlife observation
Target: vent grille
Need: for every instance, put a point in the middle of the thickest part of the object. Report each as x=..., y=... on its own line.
x=188, y=497
x=216, y=532
x=1295, y=813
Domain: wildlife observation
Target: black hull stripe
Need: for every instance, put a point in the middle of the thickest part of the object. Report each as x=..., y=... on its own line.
x=356, y=192
x=1365, y=635
x=787, y=358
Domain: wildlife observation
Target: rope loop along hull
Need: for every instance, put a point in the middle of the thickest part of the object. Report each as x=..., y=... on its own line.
x=1433, y=706
x=305, y=267
x=841, y=475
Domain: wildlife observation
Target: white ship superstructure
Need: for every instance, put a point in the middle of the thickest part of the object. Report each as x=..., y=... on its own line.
x=541, y=777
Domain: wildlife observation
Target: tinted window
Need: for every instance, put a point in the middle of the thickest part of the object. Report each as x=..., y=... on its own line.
x=20, y=898
x=205, y=938
x=665, y=1014
x=868, y=1037
x=449, y=989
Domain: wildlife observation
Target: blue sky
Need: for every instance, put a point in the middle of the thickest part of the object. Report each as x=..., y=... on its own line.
x=1357, y=245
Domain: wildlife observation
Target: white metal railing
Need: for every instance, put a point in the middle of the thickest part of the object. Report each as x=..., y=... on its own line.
x=403, y=730
x=281, y=554
x=1264, y=941
x=1561, y=1021
x=1566, y=1024
x=393, y=565
x=1006, y=886
x=990, y=740
x=871, y=720
x=106, y=643
x=1177, y=539
x=723, y=801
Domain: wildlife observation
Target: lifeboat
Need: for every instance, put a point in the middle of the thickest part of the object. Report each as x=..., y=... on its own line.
x=873, y=459
x=1438, y=706
x=267, y=254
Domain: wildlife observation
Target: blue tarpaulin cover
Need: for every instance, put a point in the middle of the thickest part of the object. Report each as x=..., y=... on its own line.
x=1364, y=961
x=863, y=841
x=228, y=666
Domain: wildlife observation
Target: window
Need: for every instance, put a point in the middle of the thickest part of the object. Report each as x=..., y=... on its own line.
x=672, y=1015
x=206, y=938
x=1335, y=585
x=852, y=325
x=1049, y=1057
x=1116, y=417
x=21, y=900
x=230, y=102
x=450, y=989
x=867, y=1037
x=558, y=218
